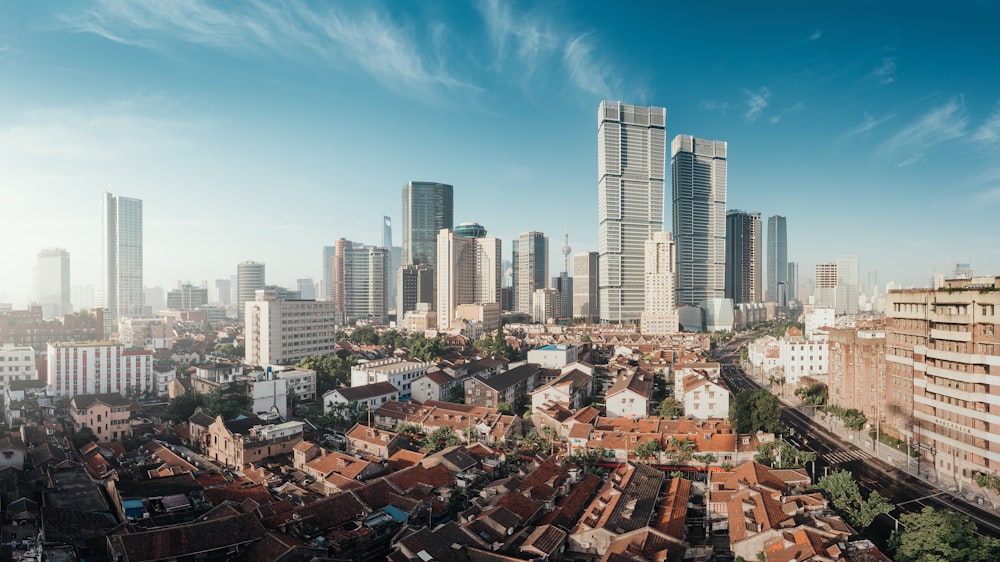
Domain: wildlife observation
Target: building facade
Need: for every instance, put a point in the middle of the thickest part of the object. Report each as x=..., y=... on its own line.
x=857, y=372
x=468, y=272
x=848, y=285
x=29, y=327
x=107, y=415
x=400, y=373
x=280, y=332
x=545, y=305
x=187, y=297
x=586, y=305
x=743, y=257
x=98, y=368
x=427, y=208
x=777, y=255
x=17, y=363
x=121, y=256
x=52, y=287
x=415, y=284
x=698, y=172
x=249, y=280
x=365, y=284
x=631, y=170
x=825, y=293
x=531, y=269
x=659, y=314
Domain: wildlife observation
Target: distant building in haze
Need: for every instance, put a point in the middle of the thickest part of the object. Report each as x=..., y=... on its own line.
x=121, y=256
x=848, y=281
x=249, y=280
x=187, y=297
x=825, y=291
x=306, y=288
x=52, y=287
x=793, y=280
x=326, y=288
x=743, y=257
x=585, y=286
x=777, y=255
x=631, y=169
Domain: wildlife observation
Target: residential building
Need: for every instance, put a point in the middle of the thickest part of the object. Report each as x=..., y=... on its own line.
x=399, y=372
x=245, y=440
x=817, y=318
x=777, y=255
x=420, y=319
x=282, y=332
x=629, y=395
x=98, y=368
x=52, y=287
x=545, y=304
x=21, y=401
x=857, y=371
x=531, y=269
x=793, y=280
x=825, y=292
x=415, y=285
x=434, y=385
x=249, y=280
x=570, y=390
x=121, y=256
x=848, y=285
x=368, y=395
x=107, y=415
x=659, y=313
x=801, y=357
x=585, y=286
x=704, y=397
x=29, y=327
x=187, y=297
x=743, y=257
x=17, y=363
x=698, y=168
x=301, y=382
x=631, y=169
x=626, y=502
x=268, y=395
x=149, y=333
x=508, y=387
x=468, y=272
x=554, y=356
x=373, y=441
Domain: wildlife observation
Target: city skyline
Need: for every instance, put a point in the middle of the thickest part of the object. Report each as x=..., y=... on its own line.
x=844, y=124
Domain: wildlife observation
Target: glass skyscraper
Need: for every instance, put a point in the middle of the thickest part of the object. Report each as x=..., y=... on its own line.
x=631, y=169
x=427, y=208
x=698, y=170
x=121, y=256
x=777, y=255
x=743, y=259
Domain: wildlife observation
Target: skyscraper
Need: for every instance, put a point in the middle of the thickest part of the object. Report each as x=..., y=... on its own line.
x=365, y=283
x=793, y=280
x=585, y=286
x=413, y=286
x=698, y=169
x=531, y=268
x=395, y=254
x=121, y=256
x=826, y=284
x=52, y=289
x=326, y=287
x=468, y=272
x=659, y=315
x=249, y=278
x=848, y=281
x=743, y=244
x=777, y=256
x=427, y=208
x=631, y=168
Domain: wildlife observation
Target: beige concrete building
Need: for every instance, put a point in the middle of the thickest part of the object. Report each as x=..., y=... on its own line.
x=98, y=367
x=281, y=332
x=943, y=361
x=857, y=373
x=107, y=415
x=239, y=442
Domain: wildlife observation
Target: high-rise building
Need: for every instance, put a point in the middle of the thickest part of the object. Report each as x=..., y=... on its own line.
x=777, y=256
x=698, y=170
x=395, y=260
x=52, y=288
x=564, y=285
x=306, y=288
x=337, y=287
x=468, y=272
x=187, y=297
x=545, y=305
x=365, y=283
x=121, y=256
x=282, y=332
x=223, y=291
x=743, y=257
x=98, y=367
x=825, y=291
x=386, y=232
x=427, y=208
x=793, y=280
x=531, y=268
x=659, y=315
x=631, y=169
x=326, y=288
x=848, y=280
x=249, y=280
x=414, y=286
x=585, y=286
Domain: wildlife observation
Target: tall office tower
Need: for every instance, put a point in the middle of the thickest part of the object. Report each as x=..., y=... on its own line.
x=825, y=290
x=52, y=289
x=427, y=208
x=223, y=291
x=698, y=169
x=743, y=257
x=585, y=286
x=848, y=279
x=564, y=285
x=326, y=287
x=386, y=232
x=306, y=288
x=249, y=279
x=631, y=169
x=777, y=256
x=414, y=286
x=793, y=280
x=83, y=297
x=395, y=260
x=121, y=256
x=468, y=272
x=364, y=289
x=659, y=314
x=337, y=287
x=531, y=268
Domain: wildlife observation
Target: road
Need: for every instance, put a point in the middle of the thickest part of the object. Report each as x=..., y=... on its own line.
x=909, y=493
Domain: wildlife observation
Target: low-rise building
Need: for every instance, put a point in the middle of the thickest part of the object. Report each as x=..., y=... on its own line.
x=98, y=367
x=374, y=441
x=107, y=415
x=17, y=363
x=508, y=387
x=301, y=382
x=703, y=397
x=370, y=395
x=801, y=357
x=629, y=396
x=245, y=440
x=434, y=385
x=400, y=373
x=625, y=503
x=554, y=356
x=571, y=390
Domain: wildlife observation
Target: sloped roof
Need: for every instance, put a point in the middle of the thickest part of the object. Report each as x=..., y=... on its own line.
x=365, y=392
x=639, y=382
x=84, y=401
x=187, y=540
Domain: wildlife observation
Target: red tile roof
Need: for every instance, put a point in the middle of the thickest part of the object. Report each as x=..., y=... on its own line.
x=187, y=540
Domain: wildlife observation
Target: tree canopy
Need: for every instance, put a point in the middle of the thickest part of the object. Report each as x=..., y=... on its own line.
x=846, y=498
x=426, y=349
x=814, y=394
x=331, y=371
x=941, y=535
x=755, y=410
x=440, y=438
x=669, y=408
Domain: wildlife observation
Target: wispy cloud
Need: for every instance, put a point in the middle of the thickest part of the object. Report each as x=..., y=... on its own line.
x=885, y=74
x=941, y=124
x=585, y=70
x=816, y=35
x=713, y=105
x=532, y=37
x=866, y=126
x=989, y=131
x=370, y=40
x=915, y=159
x=756, y=103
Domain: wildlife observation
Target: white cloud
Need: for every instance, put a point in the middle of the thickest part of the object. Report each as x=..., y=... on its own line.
x=713, y=105
x=866, y=126
x=915, y=159
x=885, y=74
x=816, y=35
x=941, y=124
x=584, y=70
x=533, y=37
x=756, y=102
x=774, y=119
x=989, y=131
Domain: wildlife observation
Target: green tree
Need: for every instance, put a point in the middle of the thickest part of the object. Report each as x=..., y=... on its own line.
x=940, y=536
x=340, y=335
x=669, y=408
x=457, y=394
x=505, y=408
x=227, y=404
x=182, y=407
x=410, y=430
x=82, y=437
x=845, y=496
x=392, y=338
x=681, y=450
x=365, y=335
x=648, y=449
x=814, y=394
x=704, y=458
x=755, y=410
x=440, y=438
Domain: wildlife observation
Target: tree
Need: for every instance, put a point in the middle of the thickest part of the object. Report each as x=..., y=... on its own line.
x=843, y=492
x=755, y=410
x=440, y=438
x=669, y=408
x=457, y=394
x=648, y=449
x=705, y=458
x=392, y=338
x=505, y=408
x=182, y=407
x=82, y=437
x=681, y=450
x=426, y=349
x=410, y=430
x=365, y=335
x=941, y=535
x=814, y=394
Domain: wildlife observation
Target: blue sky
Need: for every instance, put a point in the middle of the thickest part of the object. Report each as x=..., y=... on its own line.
x=266, y=130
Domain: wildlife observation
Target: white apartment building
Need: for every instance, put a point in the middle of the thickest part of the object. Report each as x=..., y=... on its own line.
x=268, y=394
x=585, y=290
x=400, y=373
x=545, y=305
x=659, y=313
x=554, y=356
x=819, y=318
x=121, y=256
x=98, y=368
x=17, y=363
x=281, y=332
x=150, y=333
x=800, y=356
x=704, y=398
x=301, y=382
